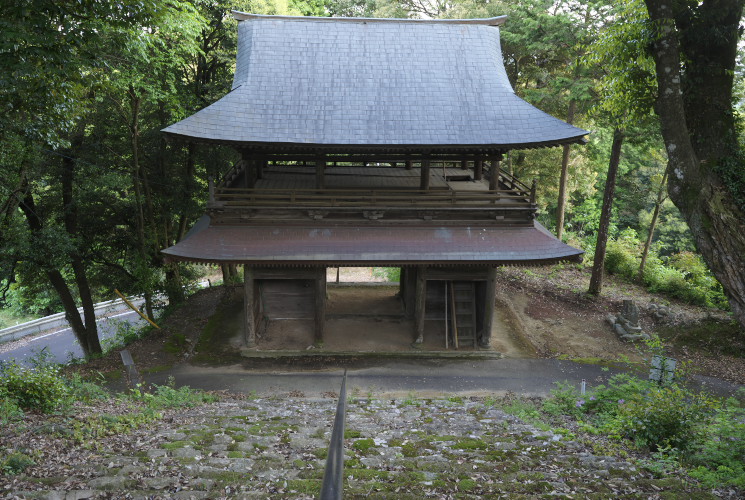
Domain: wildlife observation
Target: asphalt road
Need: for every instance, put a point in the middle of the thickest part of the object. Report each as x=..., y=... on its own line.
x=399, y=378
x=59, y=344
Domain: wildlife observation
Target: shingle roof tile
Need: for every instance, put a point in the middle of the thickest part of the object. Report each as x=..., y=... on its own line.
x=352, y=82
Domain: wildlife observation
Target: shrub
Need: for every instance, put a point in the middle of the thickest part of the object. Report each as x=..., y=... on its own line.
x=85, y=391
x=564, y=400
x=663, y=416
x=36, y=389
x=719, y=452
x=622, y=255
x=15, y=463
x=167, y=396
x=9, y=410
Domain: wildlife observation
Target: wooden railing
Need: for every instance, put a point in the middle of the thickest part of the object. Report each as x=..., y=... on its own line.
x=394, y=198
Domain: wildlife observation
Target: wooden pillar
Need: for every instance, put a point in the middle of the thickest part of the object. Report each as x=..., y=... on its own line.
x=494, y=177
x=478, y=169
x=409, y=164
x=249, y=318
x=408, y=291
x=249, y=169
x=320, y=309
x=490, y=296
x=320, y=171
x=421, y=297
x=464, y=164
x=424, y=178
x=260, y=166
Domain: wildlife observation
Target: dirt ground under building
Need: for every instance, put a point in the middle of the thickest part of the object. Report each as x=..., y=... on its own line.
x=539, y=313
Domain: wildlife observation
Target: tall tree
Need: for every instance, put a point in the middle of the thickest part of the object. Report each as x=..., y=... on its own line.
x=623, y=103
x=694, y=45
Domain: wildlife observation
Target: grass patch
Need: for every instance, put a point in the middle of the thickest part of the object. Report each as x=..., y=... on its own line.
x=10, y=318
x=711, y=336
x=363, y=444
x=470, y=444
x=304, y=486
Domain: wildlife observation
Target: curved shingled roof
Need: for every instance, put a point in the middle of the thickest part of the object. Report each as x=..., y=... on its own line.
x=350, y=245
x=372, y=82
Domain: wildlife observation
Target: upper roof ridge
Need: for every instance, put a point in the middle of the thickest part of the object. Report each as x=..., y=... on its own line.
x=490, y=21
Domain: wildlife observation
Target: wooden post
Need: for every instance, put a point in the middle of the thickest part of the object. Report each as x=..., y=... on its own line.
x=494, y=177
x=478, y=169
x=491, y=295
x=424, y=178
x=260, y=166
x=533, y=188
x=320, y=171
x=249, y=319
x=409, y=164
x=464, y=164
x=211, y=184
x=421, y=296
x=249, y=169
x=320, y=311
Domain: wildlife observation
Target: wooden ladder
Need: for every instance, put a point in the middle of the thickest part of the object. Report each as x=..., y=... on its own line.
x=463, y=311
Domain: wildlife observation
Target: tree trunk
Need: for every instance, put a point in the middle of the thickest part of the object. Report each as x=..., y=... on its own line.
x=85, y=338
x=92, y=344
x=661, y=196
x=596, y=281
x=561, y=205
x=135, y=102
x=698, y=127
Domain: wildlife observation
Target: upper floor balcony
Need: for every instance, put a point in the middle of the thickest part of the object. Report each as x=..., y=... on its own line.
x=443, y=191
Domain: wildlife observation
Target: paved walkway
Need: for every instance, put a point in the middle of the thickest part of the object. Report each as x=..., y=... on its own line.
x=534, y=377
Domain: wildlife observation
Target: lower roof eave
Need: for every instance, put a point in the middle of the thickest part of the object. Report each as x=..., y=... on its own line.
x=571, y=259
x=326, y=244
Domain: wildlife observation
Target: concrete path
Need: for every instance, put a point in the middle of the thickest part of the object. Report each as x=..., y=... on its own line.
x=396, y=378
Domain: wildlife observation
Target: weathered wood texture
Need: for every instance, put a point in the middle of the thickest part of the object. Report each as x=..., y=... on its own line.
x=421, y=296
x=320, y=311
x=249, y=317
x=490, y=297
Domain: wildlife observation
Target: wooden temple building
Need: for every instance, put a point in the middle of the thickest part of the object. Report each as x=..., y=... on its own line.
x=374, y=142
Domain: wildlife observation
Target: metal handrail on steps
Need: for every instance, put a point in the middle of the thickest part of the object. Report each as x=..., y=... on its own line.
x=332, y=487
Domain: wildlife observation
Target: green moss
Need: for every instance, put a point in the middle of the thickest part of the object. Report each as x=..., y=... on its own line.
x=157, y=369
x=305, y=486
x=236, y=454
x=467, y=485
x=175, y=445
x=351, y=434
x=321, y=453
x=363, y=444
x=177, y=344
x=470, y=444
x=367, y=474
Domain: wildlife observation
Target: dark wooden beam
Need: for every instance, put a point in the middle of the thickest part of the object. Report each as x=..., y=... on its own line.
x=491, y=295
x=478, y=169
x=249, y=169
x=320, y=309
x=494, y=174
x=424, y=179
x=249, y=319
x=421, y=298
x=464, y=164
x=409, y=164
x=320, y=171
